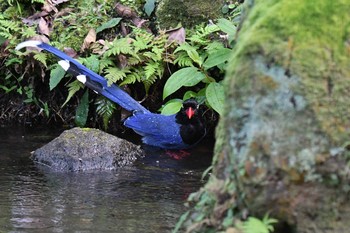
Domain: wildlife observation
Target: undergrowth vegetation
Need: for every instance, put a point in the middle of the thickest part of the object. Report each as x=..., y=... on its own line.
x=119, y=48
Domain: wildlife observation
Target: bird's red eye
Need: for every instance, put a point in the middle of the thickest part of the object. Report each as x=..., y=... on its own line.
x=190, y=112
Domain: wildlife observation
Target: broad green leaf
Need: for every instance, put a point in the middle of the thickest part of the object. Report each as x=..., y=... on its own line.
x=218, y=57
x=215, y=96
x=111, y=23
x=149, y=7
x=225, y=9
x=189, y=94
x=82, y=110
x=227, y=26
x=188, y=77
x=193, y=54
x=172, y=107
x=56, y=76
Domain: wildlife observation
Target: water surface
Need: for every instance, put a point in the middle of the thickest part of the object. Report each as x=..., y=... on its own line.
x=147, y=197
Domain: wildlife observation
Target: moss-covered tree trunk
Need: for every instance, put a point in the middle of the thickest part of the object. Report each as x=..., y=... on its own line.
x=282, y=145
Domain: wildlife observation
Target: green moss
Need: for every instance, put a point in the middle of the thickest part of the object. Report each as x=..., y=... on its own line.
x=188, y=13
x=302, y=42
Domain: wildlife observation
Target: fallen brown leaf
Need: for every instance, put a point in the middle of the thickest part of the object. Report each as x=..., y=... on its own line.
x=43, y=27
x=178, y=35
x=90, y=38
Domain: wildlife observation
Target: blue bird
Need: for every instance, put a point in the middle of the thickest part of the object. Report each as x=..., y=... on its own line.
x=179, y=131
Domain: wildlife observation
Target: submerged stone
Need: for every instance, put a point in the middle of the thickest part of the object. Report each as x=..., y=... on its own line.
x=80, y=149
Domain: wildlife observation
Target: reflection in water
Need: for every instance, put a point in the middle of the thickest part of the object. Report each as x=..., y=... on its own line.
x=147, y=197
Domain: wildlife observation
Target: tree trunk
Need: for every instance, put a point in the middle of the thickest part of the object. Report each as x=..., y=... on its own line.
x=283, y=144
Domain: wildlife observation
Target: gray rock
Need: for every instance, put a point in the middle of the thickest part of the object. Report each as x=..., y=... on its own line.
x=85, y=149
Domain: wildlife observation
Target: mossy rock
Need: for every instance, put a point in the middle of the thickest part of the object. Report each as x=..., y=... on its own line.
x=85, y=149
x=188, y=13
x=282, y=144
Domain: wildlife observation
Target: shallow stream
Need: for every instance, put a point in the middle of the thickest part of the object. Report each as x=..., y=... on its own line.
x=147, y=197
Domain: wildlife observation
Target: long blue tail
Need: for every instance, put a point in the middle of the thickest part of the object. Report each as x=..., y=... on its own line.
x=88, y=77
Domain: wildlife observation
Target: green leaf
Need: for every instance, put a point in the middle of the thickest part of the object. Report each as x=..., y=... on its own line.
x=194, y=55
x=218, y=57
x=189, y=94
x=215, y=96
x=227, y=26
x=188, y=77
x=191, y=52
x=82, y=110
x=111, y=23
x=172, y=107
x=149, y=7
x=56, y=76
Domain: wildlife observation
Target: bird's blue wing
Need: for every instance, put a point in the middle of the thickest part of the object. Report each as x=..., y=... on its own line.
x=157, y=130
x=89, y=78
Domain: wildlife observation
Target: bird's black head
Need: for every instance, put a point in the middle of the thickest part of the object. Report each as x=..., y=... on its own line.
x=190, y=118
x=189, y=112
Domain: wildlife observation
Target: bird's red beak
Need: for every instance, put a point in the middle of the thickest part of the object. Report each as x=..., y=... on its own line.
x=190, y=112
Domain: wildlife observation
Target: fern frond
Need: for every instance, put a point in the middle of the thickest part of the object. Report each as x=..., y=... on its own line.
x=105, y=62
x=201, y=35
x=10, y=25
x=183, y=60
x=153, y=71
x=134, y=60
x=105, y=109
x=213, y=46
x=151, y=55
x=119, y=46
x=199, y=39
x=29, y=32
x=5, y=34
x=132, y=78
x=114, y=74
x=185, y=47
x=150, y=69
x=143, y=41
x=211, y=29
x=73, y=87
x=41, y=57
x=158, y=53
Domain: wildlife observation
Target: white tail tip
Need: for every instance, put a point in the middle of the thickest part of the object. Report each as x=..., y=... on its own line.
x=64, y=64
x=29, y=43
x=82, y=78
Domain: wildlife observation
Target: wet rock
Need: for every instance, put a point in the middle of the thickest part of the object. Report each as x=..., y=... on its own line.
x=80, y=149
